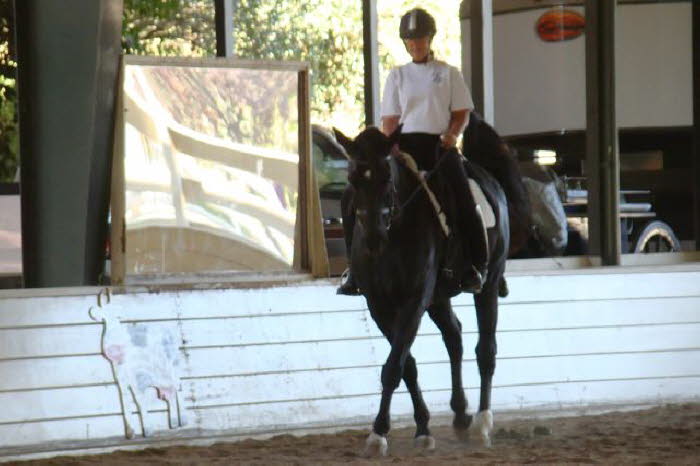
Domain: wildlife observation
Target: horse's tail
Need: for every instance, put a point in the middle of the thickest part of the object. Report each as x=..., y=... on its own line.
x=484, y=146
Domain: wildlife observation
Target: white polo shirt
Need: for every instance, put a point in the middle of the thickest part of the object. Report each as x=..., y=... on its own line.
x=424, y=95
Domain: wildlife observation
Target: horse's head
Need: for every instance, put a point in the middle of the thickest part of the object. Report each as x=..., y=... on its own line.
x=370, y=176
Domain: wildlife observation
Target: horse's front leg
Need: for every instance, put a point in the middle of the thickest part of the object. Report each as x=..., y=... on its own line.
x=421, y=415
x=403, y=333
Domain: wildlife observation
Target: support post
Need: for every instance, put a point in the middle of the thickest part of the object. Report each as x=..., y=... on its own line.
x=223, y=12
x=481, y=34
x=696, y=123
x=602, y=152
x=371, y=58
x=67, y=76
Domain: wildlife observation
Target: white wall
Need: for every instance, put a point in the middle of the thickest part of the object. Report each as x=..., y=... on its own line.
x=278, y=359
x=541, y=86
x=10, y=235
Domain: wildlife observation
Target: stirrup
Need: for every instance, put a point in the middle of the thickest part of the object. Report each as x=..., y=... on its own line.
x=348, y=287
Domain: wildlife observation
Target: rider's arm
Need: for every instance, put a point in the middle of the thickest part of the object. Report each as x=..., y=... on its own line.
x=458, y=121
x=391, y=104
x=390, y=123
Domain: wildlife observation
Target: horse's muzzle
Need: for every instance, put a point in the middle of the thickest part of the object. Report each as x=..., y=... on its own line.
x=376, y=241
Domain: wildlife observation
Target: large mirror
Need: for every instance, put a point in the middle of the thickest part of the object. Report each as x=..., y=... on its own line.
x=211, y=164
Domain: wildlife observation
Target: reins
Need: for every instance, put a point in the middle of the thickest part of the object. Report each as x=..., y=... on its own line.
x=410, y=163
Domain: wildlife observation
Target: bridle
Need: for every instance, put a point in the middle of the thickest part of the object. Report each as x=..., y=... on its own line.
x=395, y=210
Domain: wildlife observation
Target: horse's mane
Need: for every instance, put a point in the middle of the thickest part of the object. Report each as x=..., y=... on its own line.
x=407, y=160
x=484, y=146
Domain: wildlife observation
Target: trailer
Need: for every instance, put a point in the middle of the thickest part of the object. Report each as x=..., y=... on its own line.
x=539, y=101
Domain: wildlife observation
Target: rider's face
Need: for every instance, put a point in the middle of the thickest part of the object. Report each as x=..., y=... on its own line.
x=418, y=48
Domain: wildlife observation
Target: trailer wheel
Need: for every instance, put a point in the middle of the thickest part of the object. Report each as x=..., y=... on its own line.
x=657, y=236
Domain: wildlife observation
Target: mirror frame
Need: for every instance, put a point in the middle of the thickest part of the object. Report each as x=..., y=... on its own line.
x=310, y=256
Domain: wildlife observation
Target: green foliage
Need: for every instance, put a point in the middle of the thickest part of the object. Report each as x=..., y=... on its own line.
x=9, y=133
x=326, y=33
x=169, y=27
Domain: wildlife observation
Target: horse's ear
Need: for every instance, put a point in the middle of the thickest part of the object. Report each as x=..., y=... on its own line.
x=343, y=140
x=394, y=137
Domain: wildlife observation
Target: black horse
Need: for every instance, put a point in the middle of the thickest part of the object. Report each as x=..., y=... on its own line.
x=399, y=252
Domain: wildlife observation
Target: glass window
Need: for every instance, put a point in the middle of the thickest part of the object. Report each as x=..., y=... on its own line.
x=10, y=218
x=540, y=111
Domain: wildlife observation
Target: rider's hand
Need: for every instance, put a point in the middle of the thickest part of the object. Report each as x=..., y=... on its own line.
x=448, y=140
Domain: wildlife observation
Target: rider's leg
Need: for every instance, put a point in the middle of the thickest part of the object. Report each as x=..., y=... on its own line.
x=423, y=148
x=470, y=222
x=347, y=281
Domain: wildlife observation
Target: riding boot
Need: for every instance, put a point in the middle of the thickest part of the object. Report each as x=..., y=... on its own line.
x=348, y=286
x=470, y=223
x=475, y=273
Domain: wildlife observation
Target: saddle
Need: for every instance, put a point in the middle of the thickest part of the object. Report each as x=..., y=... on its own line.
x=487, y=213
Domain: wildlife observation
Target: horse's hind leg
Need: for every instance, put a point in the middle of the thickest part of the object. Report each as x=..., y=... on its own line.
x=449, y=325
x=487, y=316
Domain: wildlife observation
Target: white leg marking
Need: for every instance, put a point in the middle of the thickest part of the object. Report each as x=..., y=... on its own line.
x=376, y=445
x=426, y=442
x=482, y=425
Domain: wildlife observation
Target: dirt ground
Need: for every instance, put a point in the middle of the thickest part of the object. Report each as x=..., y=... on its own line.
x=659, y=436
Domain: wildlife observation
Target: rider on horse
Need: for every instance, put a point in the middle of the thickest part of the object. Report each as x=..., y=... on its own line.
x=431, y=102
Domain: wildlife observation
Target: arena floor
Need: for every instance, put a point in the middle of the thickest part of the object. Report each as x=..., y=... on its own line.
x=662, y=435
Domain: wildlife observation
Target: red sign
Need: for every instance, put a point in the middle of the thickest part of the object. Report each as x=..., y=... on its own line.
x=558, y=24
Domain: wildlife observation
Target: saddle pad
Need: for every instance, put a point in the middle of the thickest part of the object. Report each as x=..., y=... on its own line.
x=480, y=200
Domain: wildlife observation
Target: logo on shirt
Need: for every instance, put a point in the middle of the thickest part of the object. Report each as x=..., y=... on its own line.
x=438, y=77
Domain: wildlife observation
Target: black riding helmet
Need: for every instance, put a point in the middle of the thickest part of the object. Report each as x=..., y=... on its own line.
x=417, y=23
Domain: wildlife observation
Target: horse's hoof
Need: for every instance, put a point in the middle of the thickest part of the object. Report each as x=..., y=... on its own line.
x=503, y=288
x=461, y=425
x=482, y=427
x=375, y=445
x=462, y=421
x=426, y=442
